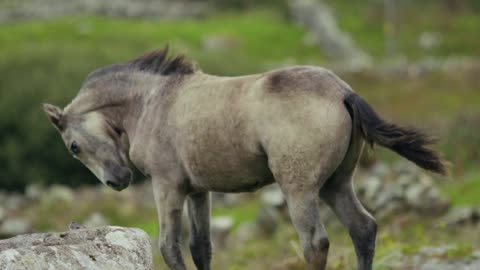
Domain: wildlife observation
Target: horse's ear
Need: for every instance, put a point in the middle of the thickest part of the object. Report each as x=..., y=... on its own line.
x=54, y=114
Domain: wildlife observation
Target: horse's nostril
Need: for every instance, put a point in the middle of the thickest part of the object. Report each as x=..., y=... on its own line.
x=126, y=175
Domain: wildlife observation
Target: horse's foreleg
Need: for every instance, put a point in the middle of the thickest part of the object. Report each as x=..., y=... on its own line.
x=199, y=215
x=169, y=201
x=361, y=225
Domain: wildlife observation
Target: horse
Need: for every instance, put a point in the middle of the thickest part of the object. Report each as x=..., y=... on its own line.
x=191, y=133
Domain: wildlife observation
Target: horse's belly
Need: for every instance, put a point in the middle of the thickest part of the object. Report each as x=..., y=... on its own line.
x=222, y=172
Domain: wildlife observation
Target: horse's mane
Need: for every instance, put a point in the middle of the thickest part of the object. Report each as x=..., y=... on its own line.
x=156, y=62
x=159, y=62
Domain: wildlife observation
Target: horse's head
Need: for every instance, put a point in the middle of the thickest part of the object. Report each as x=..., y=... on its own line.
x=91, y=139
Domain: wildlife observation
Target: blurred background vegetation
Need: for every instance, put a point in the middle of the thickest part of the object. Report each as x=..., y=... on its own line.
x=419, y=66
x=45, y=60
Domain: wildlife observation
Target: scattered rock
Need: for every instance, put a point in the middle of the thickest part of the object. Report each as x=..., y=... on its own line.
x=220, y=228
x=95, y=219
x=462, y=216
x=3, y=214
x=317, y=17
x=58, y=194
x=273, y=197
x=15, y=226
x=13, y=201
x=98, y=248
x=75, y=226
x=31, y=9
x=402, y=188
x=429, y=40
x=267, y=220
x=34, y=192
x=430, y=258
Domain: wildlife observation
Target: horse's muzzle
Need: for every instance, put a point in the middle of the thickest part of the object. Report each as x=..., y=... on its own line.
x=123, y=178
x=117, y=186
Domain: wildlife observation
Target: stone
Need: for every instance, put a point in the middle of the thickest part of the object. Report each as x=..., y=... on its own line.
x=429, y=40
x=15, y=226
x=319, y=19
x=98, y=248
x=34, y=191
x=462, y=216
x=267, y=220
x=3, y=214
x=154, y=9
x=273, y=197
x=13, y=202
x=95, y=219
x=220, y=228
x=58, y=194
x=380, y=169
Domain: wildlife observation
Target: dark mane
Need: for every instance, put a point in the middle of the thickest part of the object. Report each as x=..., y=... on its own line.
x=156, y=62
x=159, y=62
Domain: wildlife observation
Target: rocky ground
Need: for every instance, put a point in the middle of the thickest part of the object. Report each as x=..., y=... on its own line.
x=404, y=199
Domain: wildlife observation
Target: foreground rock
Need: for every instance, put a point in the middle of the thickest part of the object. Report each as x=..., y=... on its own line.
x=97, y=248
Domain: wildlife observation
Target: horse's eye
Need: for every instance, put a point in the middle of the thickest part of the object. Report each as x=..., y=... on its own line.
x=74, y=148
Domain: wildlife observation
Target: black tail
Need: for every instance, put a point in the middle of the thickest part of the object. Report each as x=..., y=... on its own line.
x=409, y=143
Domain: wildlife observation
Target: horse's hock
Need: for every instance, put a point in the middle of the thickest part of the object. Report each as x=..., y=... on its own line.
x=102, y=248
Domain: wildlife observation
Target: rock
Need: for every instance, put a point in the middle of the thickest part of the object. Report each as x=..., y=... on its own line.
x=220, y=228
x=95, y=219
x=31, y=9
x=429, y=40
x=371, y=187
x=381, y=170
x=273, y=197
x=34, y=191
x=317, y=17
x=399, y=188
x=13, y=202
x=267, y=220
x=430, y=258
x=3, y=214
x=98, y=248
x=462, y=216
x=15, y=226
x=75, y=226
x=58, y=194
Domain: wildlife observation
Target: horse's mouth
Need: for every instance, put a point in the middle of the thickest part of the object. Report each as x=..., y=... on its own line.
x=117, y=186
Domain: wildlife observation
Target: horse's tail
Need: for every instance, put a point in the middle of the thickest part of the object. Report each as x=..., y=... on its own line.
x=408, y=142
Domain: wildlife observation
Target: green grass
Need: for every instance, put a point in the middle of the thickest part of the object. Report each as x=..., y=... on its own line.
x=365, y=21
x=258, y=39
x=466, y=192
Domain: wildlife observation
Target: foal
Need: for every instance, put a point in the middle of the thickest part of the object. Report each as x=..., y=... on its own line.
x=191, y=133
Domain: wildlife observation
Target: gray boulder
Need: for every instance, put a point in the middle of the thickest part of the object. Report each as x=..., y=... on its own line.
x=101, y=248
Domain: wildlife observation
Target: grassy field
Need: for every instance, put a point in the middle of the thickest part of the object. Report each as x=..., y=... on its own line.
x=365, y=22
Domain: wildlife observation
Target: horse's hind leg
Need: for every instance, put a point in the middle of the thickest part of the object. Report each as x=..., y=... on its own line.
x=300, y=185
x=339, y=194
x=360, y=224
x=304, y=211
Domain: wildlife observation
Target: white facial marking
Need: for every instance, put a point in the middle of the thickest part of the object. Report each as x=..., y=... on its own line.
x=94, y=125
